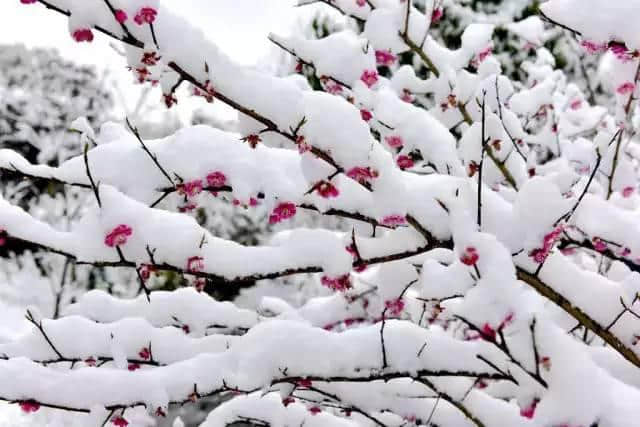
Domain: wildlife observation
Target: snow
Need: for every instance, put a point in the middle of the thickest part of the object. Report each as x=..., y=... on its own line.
x=483, y=269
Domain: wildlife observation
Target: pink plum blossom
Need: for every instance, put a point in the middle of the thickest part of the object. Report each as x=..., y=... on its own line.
x=469, y=256
x=146, y=15
x=83, y=35
x=282, y=212
x=369, y=77
x=385, y=57
x=118, y=236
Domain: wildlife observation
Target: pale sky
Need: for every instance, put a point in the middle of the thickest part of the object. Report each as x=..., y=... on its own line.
x=239, y=27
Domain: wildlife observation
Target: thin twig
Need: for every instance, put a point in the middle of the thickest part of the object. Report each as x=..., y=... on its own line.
x=153, y=157
x=569, y=214
x=483, y=144
x=38, y=325
x=96, y=190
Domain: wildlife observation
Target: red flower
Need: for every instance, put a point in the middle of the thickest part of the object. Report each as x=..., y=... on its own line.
x=410, y=418
x=145, y=353
x=484, y=53
x=169, y=99
x=394, y=141
x=530, y=410
x=160, y=412
x=408, y=97
x=384, y=57
x=190, y=189
x=452, y=100
x=208, y=93
x=394, y=220
x=146, y=15
x=359, y=268
x=599, y=244
x=146, y=270
x=546, y=362
x=305, y=382
x=369, y=77
x=473, y=168
x=627, y=192
x=200, y=283
x=90, y=361
x=119, y=422
x=216, y=179
x=361, y=174
x=626, y=88
x=352, y=250
x=366, y=115
x=507, y=320
x=301, y=142
x=281, y=212
x=481, y=384
x=195, y=264
x=327, y=190
x=187, y=207
x=404, y=162
x=150, y=58
x=287, y=401
x=331, y=86
x=253, y=140
x=436, y=15
x=315, y=410
x=27, y=1
x=470, y=256
x=133, y=367
x=540, y=254
x=29, y=406
x=395, y=306
x=143, y=74
x=593, y=47
x=83, y=35
x=488, y=332
x=118, y=236
x=121, y=16
x=341, y=283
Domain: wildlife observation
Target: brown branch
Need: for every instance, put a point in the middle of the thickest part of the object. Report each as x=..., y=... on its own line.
x=421, y=53
x=375, y=375
x=304, y=61
x=96, y=190
x=577, y=313
x=334, y=6
x=457, y=404
x=502, y=346
x=38, y=325
x=551, y=21
x=184, y=75
x=153, y=157
x=221, y=280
